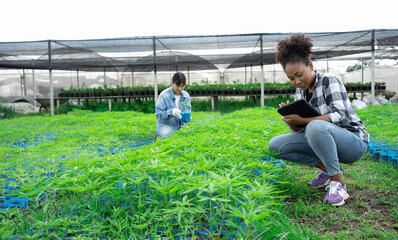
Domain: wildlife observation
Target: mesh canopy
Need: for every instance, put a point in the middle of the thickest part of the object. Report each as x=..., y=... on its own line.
x=165, y=53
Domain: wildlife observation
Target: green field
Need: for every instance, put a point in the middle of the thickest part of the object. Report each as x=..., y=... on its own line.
x=90, y=175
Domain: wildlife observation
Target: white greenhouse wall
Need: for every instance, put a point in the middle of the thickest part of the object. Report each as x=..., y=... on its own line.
x=389, y=75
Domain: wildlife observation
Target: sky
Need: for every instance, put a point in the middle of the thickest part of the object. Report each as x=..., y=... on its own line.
x=27, y=20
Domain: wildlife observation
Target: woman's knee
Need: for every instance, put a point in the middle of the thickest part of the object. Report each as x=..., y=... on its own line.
x=315, y=128
x=274, y=145
x=165, y=131
x=316, y=125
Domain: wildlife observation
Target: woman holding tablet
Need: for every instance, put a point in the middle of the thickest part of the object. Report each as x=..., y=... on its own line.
x=336, y=136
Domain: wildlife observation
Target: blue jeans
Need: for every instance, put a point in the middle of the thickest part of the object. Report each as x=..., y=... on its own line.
x=320, y=142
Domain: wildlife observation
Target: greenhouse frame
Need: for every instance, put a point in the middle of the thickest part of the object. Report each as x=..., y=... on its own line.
x=191, y=53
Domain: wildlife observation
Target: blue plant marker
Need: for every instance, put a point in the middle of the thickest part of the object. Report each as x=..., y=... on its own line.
x=384, y=155
x=383, y=151
x=12, y=202
x=394, y=160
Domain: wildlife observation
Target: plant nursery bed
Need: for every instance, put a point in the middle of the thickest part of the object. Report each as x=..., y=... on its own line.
x=213, y=179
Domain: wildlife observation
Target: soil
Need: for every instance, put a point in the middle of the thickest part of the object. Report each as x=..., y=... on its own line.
x=364, y=204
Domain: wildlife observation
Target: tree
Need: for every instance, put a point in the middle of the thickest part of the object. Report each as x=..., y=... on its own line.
x=358, y=66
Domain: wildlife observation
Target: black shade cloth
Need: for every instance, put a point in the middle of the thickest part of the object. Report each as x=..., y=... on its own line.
x=194, y=52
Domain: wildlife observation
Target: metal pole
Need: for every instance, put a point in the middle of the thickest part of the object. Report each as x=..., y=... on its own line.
x=362, y=71
x=155, y=70
x=327, y=65
x=251, y=73
x=51, y=78
x=34, y=86
x=373, y=69
x=245, y=73
x=104, y=77
x=132, y=76
x=273, y=74
x=24, y=82
x=21, y=76
x=362, y=77
x=189, y=78
x=176, y=61
x=77, y=76
x=262, y=72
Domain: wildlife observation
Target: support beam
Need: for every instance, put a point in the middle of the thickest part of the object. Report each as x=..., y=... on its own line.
x=155, y=71
x=262, y=72
x=104, y=77
x=34, y=85
x=24, y=82
x=273, y=73
x=51, y=78
x=77, y=79
x=189, y=78
x=214, y=101
x=176, y=62
x=245, y=73
x=21, y=76
x=132, y=76
x=362, y=71
x=251, y=73
x=327, y=65
x=373, y=69
x=362, y=77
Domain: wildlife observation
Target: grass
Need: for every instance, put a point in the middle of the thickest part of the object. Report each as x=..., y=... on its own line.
x=381, y=122
x=369, y=213
x=175, y=183
x=371, y=210
x=7, y=112
x=208, y=163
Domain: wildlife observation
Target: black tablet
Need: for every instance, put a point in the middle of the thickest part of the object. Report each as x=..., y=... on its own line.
x=299, y=107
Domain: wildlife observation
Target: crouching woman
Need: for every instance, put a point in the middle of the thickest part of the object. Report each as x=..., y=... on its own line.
x=170, y=103
x=337, y=136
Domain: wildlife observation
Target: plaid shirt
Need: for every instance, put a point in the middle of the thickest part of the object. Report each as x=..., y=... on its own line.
x=330, y=98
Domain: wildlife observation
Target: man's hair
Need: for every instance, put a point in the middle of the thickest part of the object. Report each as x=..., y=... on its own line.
x=297, y=48
x=179, y=79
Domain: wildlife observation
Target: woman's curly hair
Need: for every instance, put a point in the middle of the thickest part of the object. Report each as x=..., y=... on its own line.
x=297, y=48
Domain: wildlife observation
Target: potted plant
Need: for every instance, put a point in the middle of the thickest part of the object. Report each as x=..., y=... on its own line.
x=185, y=112
x=366, y=86
x=380, y=86
x=109, y=91
x=194, y=89
x=150, y=91
x=120, y=90
x=72, y=92
x=349, y=87
x=90, y=92
x=61, y=93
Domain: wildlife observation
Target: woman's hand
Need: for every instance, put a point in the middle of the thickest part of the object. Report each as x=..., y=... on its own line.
x=294, y=119
x=283, y=104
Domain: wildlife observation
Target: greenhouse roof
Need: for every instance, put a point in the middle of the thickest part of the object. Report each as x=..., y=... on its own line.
x=166, y=53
